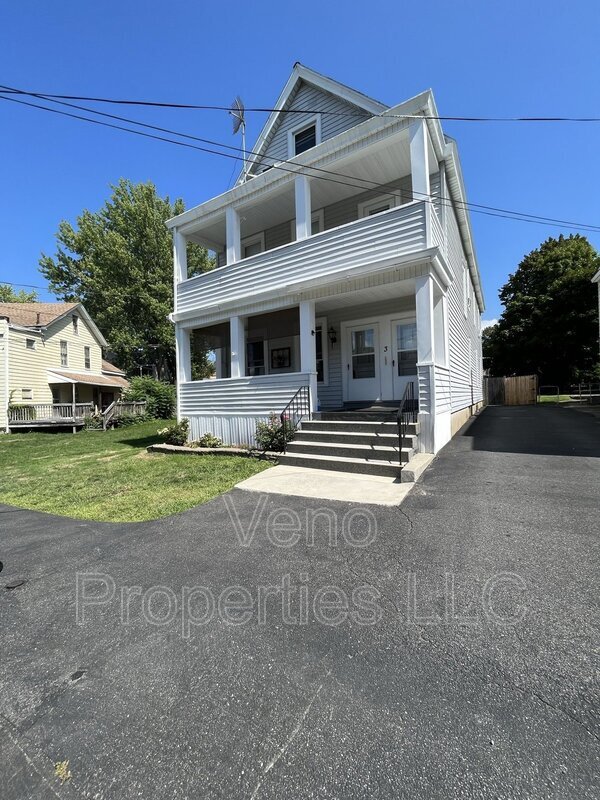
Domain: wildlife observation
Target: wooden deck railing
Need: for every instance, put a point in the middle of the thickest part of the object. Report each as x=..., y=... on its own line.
x=49, y=412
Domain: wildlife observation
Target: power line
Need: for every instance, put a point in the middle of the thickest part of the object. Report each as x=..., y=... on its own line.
x=474, y=207
x=261, y=109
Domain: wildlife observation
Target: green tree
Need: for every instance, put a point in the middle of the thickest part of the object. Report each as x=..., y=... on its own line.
x=8, y=295
x=549, y=325
x=119, y=263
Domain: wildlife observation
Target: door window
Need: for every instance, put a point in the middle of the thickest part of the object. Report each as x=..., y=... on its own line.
x=406, y=348
x=363, y=353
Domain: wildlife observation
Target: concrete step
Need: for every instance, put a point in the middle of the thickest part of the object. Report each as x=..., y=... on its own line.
x=358, y=426
x=351, y=437
x=417, y=465
x=357, y=465
x=359, y=416
x=366, y=452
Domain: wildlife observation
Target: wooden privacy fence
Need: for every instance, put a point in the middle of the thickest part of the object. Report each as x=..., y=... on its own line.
x=519, y=390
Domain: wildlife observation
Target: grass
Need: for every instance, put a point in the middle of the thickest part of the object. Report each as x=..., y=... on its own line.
x=551, y=398
x=109, y=476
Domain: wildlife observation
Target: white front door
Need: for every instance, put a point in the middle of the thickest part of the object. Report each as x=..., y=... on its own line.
x=362, y=362
x=404, y=355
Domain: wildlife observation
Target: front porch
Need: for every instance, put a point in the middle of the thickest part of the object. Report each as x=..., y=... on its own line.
x=353, y=347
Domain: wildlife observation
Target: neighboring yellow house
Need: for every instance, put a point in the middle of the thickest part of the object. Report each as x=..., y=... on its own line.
x=51, y=366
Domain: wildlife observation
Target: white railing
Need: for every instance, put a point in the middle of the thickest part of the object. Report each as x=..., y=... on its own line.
x=381, y=238
x=49, y=412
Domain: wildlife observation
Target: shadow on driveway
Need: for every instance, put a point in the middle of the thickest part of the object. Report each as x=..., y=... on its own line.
x=536, y=430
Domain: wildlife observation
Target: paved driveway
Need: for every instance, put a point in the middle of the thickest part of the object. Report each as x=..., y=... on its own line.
x=463, y=662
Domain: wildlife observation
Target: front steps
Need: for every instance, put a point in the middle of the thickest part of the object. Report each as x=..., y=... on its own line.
x=361, y=442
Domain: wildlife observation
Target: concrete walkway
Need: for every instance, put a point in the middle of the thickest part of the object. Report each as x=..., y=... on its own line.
x=446, y=648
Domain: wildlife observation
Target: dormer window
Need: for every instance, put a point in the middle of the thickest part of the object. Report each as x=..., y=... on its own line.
x=304, y=136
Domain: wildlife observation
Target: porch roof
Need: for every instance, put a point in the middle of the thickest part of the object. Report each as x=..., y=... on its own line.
x=90, y=379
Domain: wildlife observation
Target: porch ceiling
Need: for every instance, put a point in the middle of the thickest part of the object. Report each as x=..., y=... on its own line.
x=380, y=163
x=373, y=294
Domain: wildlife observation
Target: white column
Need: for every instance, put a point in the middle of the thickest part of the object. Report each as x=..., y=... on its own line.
x=425, y=361
x=180, y=270
x=308, y=350
x=303, y=207
x=234, y=243
x=183, y=356
x=238, y=347
x=419, y=167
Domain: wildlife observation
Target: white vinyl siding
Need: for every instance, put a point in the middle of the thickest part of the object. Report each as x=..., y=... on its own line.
x=313, y=100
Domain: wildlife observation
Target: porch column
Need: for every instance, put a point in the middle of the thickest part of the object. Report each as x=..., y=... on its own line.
x=73, y=407
x=238, y=347
x=425, y=360
x=303, y=207
x=308, y=351
x=183, y=358
x=419, y=168
x=180, y=269
x=233, y=237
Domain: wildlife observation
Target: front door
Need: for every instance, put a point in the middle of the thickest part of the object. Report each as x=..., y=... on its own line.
x=362, y=363
x=404, y=355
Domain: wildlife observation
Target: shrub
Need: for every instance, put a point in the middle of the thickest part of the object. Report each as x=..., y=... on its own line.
x=209, y=440
x=159, y=396
x=176, y=434
x=273, y=434
x=93, y=422
x=125, y=420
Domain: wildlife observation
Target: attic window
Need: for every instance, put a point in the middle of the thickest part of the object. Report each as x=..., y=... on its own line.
x=30, y=344
x=75, y=324
x=305, y=139
x=304, y=136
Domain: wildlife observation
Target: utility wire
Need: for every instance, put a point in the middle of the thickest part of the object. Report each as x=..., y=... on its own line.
x=474, y=207
x=260, y=109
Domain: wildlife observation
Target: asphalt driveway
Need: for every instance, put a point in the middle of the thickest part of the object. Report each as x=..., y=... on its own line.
x=444, y=649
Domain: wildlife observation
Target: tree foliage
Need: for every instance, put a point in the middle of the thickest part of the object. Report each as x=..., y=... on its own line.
x=119, y=263
x=8, y=295
x=549, y=325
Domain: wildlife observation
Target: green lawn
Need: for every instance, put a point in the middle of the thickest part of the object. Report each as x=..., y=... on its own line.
x=109, y=476
x=551, y=398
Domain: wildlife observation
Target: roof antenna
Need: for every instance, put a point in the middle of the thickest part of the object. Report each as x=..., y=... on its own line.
x=239, y=123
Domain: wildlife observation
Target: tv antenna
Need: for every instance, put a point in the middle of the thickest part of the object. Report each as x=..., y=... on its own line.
x=239, y=123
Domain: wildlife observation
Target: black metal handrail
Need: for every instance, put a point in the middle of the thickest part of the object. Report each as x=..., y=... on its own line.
x=293, y=413
x=406, y=414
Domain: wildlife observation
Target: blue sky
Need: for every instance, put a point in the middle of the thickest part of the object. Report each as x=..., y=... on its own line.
x=479, y=57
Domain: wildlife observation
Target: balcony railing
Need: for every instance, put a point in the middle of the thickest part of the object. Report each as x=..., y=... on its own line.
x=381, y=238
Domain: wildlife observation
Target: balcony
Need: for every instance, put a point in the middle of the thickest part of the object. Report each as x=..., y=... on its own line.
x=376, y=241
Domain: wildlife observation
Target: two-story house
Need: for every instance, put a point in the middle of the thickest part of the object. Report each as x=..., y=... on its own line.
x=346, y=265
x=51, y=366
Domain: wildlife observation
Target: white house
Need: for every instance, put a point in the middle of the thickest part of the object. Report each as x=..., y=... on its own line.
x=345, y=265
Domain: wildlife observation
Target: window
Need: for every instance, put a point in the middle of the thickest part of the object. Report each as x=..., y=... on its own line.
x=375, y=206
x=252, y=245
x=87, y=358
x=64, y=353
x=465, y=289
x=406, y=348
x=321, y=344
x=255, y=358
x=304, y=136
x=30, y=344
x=75, y=324
x=26, y=394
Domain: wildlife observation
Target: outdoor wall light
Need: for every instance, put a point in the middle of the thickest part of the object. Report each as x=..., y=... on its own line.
x=332, y=336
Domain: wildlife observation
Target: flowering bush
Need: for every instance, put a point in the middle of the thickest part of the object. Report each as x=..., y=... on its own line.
x=273, y=435
x=209, y=440
x=176, y=434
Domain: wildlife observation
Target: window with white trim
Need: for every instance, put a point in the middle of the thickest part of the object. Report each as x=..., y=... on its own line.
x=64, y=353
x=375, y=206
x=87, y=357
x=304, y=136
x=465, y=289
x=252, y=245
x=75, y=324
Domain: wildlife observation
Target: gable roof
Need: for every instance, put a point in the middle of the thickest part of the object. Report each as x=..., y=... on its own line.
x=300, y=74
x=34, y=315
x=40, y=315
